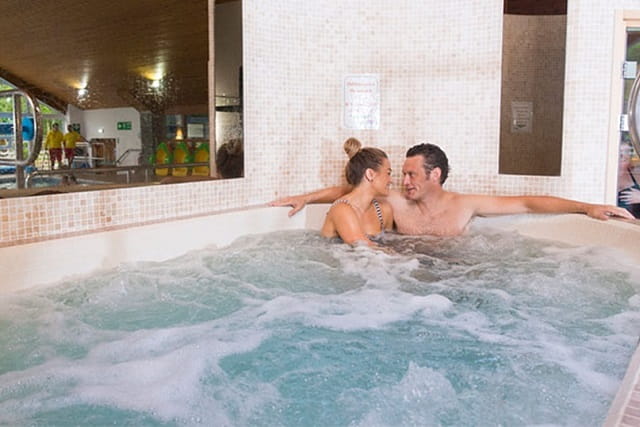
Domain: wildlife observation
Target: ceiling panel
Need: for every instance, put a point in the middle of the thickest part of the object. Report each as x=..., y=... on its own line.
x=112, y=47
x=535, y=7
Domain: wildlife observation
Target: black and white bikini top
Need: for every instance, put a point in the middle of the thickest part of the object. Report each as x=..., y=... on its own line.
x=375, y=204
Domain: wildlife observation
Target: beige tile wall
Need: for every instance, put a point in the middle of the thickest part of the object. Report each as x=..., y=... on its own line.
x=439, y=69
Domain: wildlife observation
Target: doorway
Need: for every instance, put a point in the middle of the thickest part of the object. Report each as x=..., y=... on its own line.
x=623, y=183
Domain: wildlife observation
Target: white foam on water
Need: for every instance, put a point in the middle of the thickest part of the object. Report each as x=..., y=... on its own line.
x=156, y=372
x=625, y=323
x=417, y=399
x=355, y=310
x=173, y=370
x=375, y=267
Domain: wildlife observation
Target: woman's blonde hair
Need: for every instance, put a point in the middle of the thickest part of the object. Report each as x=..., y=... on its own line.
x=361, y=159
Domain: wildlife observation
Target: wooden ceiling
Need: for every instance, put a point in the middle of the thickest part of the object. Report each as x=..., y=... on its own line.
x=535, y=7
x=113, y=48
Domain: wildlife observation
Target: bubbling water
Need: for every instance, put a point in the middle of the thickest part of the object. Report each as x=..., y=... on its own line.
x=289, y=329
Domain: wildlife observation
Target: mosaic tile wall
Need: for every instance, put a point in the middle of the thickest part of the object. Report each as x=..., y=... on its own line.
x=438, y=65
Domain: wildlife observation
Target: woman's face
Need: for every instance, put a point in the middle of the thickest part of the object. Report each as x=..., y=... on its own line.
x=382, y=178
x=625, y=154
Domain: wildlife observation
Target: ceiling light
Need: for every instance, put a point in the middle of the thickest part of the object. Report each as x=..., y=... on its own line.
x=155, y=83
x=82, y=91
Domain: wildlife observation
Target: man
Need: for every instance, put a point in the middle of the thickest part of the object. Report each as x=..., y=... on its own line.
x=70, y=139
x=54, y=144
x=426, y=208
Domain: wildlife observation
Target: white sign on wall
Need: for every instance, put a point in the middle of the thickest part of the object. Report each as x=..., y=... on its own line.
x=521, y=116
x=361, y=108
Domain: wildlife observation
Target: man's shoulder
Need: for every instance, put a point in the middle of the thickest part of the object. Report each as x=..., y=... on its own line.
x=395, y=198
x=466, y=202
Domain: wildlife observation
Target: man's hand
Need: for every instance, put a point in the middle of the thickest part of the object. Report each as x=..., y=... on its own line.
x=607, y=211
x=296, y=202
x=630, y=196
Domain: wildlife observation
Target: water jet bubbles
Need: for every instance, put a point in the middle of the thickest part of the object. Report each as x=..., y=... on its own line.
x=259, y=334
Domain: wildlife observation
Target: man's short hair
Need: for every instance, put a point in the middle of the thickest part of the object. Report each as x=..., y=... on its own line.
x=433, y=157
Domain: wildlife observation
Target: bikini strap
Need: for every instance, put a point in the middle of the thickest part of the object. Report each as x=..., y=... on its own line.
x=345, y=201
x=376, y=205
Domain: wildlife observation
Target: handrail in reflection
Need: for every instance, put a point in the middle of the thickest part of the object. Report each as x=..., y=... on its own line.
x=631, y=114
x=36, y=143
x=126, y=153
x=147, y=171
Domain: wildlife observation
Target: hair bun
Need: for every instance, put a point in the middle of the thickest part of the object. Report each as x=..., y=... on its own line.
x=352, y=146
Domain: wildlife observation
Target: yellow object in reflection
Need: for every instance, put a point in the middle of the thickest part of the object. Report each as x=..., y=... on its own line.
x=201, y=155
x=162, y=156
x=181, y=154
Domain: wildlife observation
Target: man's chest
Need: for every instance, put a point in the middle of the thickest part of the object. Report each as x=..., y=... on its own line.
x=447, y=222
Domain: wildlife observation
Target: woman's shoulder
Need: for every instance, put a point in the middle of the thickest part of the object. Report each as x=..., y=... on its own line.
x=341, y=202
x=341, y=207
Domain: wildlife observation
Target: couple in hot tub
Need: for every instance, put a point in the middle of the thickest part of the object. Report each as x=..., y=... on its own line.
x=368, y=206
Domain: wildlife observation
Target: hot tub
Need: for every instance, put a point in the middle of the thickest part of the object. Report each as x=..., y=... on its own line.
x=39, y=265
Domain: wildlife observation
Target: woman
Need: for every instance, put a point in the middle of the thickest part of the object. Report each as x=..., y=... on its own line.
x=628, y=188
x=358, y=216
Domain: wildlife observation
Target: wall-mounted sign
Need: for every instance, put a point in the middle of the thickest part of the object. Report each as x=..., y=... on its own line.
x=629, y=69
x=361, y=108
x=75, y=127
x=195, y=130
x=124, y=125
x=521, y=116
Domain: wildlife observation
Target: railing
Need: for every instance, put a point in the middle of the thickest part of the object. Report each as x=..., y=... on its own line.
x=146, y=171
x=126, y=153
x=36, y=143
x=631, y=114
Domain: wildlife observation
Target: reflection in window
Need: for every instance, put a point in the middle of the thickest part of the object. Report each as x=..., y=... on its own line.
x=186, y=127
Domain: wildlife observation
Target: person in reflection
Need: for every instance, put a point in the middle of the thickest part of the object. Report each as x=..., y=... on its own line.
x=358, y=216
x=53, y=143
x=628, y=188
x=230, y=159
x=69, y=140
x=426, y=208
x=67, y=180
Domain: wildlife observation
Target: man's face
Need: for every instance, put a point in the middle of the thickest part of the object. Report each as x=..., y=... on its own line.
x=415, y=180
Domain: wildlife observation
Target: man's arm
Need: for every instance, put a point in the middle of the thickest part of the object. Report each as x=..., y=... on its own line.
x=326, y=195
x=500, y=205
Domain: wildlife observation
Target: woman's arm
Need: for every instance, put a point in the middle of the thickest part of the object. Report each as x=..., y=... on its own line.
x=343, y=222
